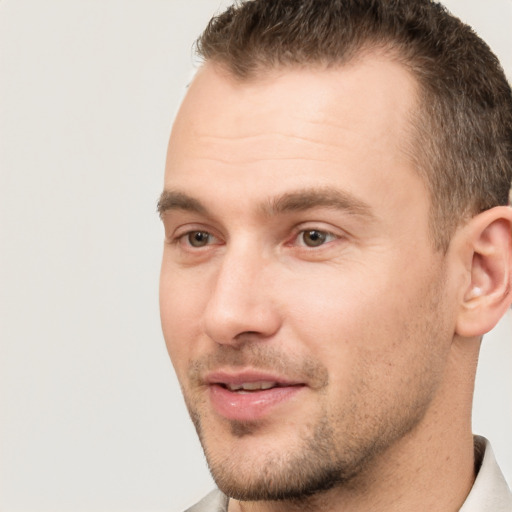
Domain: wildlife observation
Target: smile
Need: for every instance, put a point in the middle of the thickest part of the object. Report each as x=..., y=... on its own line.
x=250, y=396
x=251, y=386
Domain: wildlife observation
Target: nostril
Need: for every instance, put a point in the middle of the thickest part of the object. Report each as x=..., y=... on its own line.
x=247, y=334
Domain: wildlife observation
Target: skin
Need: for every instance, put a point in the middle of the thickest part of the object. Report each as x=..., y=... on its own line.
x=366, y=320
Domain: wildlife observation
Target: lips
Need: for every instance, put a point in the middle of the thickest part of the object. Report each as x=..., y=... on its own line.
x=250, y=396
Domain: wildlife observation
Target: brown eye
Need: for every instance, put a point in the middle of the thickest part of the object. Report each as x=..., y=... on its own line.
x=314, y=237
x=198, y=238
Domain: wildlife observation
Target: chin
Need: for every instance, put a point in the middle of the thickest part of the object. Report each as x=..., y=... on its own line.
x=274, y=481
x=248, y=467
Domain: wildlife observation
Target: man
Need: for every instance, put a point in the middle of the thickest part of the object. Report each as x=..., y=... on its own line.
x=338, y=240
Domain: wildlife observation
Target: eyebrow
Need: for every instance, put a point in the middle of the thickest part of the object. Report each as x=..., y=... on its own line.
x=171, y=200
x=294, y=201
x=307, y=199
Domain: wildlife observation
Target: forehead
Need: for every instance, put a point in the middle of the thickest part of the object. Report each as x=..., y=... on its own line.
x=294, y=128
x=373, y=92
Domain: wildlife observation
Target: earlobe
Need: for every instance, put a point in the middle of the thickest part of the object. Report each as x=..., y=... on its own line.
x=489, y=293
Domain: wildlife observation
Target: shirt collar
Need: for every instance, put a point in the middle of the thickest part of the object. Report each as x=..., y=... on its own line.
x=490, y=492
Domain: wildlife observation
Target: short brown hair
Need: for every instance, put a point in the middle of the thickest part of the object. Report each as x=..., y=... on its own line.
x=463, y=127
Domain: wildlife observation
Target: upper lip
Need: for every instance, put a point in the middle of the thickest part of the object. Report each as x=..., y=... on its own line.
x=237, y=378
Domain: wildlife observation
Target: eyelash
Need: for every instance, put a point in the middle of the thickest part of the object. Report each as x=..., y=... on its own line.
x=186, y=238
x=325, y=237
x=322, y=236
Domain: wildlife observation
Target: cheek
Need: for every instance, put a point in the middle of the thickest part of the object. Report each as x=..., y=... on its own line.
x=329, y=320
x=360, y=325
x=180, y=308
x=333, y=308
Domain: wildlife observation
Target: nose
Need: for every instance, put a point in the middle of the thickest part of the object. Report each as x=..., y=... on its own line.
x=242, y=305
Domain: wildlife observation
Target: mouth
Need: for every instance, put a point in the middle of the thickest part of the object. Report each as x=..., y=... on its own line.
x=250, y=387
x=250, y=396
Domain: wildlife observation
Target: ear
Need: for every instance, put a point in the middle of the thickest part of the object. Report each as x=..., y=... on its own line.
x=488, y=257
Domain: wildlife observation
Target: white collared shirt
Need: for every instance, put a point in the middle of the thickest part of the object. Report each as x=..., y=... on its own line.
x=490, y=492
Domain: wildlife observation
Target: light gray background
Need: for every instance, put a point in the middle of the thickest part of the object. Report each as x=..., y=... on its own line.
x=91, y=417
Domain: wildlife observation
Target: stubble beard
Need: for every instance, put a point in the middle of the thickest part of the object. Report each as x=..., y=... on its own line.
x=308, y=470
x=317, y=464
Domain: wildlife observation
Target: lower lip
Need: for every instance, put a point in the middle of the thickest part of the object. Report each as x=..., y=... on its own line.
x=252, y=405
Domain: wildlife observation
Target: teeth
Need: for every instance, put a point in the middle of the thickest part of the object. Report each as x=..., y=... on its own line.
x=251, y=386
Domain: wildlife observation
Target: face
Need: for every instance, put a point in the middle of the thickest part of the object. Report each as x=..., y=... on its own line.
x=302, y=303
